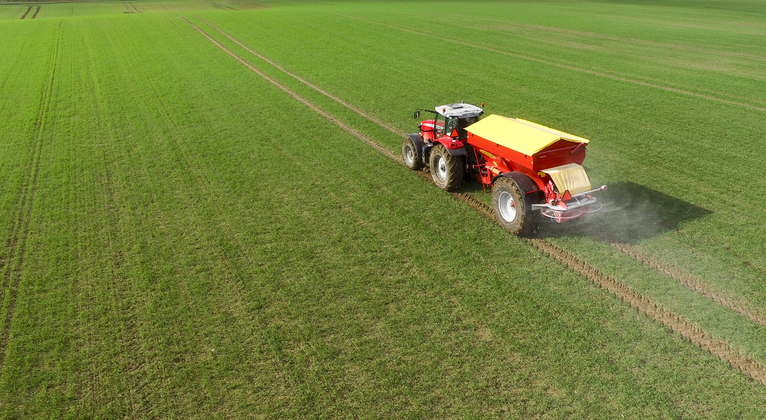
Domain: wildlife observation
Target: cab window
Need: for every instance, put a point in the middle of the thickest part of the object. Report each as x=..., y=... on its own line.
x=462, y=124
x=438, y=126
x=450, y=125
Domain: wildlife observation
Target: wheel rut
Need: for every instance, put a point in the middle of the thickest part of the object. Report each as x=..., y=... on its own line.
x=131, y=8
x=309, y=84
x=676, y=323
x=16, y=241
x=192, y=163
x=699, y=286
x=300, y=99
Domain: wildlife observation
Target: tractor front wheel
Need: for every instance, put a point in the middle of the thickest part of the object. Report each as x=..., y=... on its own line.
x=411, y=155
x=510, y=208
x=446, y=170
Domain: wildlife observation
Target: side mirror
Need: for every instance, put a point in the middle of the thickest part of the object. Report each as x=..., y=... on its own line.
x=416, y=115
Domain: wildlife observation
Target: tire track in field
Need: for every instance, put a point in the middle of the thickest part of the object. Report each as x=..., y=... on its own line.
x=512, y=26
x=676, y=323
x=309, y=84
x=223, y=224
x=634, y=41
x=131, y=8
x=565, y=66
x=295, y=96
x=190, y=161
x=187, y=159
x=27, y=12
x=36, y=12
x=16, y=241
x=697, y=285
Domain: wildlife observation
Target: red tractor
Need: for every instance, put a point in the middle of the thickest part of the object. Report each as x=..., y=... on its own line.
x=530, y=167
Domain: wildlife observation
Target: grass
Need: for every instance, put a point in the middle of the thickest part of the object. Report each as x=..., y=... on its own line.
x=200, y=244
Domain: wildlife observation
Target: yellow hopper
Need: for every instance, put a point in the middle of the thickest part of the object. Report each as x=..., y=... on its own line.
x=520, y=135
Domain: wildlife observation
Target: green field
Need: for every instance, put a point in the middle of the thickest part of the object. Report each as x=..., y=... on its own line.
x=194, y=227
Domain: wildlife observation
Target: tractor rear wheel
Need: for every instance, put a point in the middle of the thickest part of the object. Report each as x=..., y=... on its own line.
x=510, y=208
x=412, y=157
x=446, y=170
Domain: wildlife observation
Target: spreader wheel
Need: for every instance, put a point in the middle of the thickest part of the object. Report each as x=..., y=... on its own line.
x=411, y=155
x=510, y=209
x=446, y=170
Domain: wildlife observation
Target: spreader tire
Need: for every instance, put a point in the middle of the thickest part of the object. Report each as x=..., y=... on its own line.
x=446, y=170
x=411, y=155
x=510, y=209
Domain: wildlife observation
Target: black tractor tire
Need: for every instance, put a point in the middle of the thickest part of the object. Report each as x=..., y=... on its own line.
x=411, y=155
x=447, y=171
x=511, y=211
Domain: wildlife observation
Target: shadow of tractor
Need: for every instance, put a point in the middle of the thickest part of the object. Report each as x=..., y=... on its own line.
x=630, y=213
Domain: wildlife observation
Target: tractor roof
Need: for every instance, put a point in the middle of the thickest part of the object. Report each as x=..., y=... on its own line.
x=520, y=135
x=460, y=110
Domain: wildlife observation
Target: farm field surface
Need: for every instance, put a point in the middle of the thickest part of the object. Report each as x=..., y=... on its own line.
x=205, y=215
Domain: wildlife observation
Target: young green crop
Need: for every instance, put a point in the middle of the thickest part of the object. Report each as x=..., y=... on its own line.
x=200, y=244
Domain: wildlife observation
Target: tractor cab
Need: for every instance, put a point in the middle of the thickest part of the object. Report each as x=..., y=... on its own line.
x=450, y=121
x=441, y=143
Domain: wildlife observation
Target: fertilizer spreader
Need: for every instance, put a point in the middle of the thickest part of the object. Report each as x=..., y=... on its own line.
x=532, y=169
